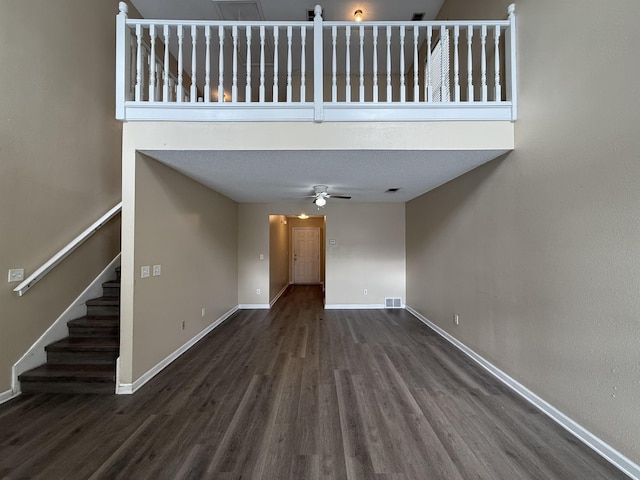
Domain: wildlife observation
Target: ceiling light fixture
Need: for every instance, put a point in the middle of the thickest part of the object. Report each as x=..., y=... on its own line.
x=320, y=201
x=357, y=15
x=303, y=216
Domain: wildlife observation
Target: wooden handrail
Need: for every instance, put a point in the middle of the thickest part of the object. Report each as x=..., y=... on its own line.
x=36, y=276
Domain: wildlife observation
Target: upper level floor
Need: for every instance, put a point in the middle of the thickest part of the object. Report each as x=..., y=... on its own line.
x=168, y=70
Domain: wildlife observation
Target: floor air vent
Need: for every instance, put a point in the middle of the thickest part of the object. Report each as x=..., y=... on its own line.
x=393, y=302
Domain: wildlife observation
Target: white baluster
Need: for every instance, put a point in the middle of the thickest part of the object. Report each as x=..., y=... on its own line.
x=180, y=89
x=221, y=63
x=389, y=95
x=247, y=88
x=334, y=65
x=470, y=96
x=138, y=62
x=483, y=62
x=444, y=67
x=403, y=89
x=234, y=87
x=347, y=33
x=261, y=91
x=428, y=72
x=416, y=83
x=165, y=73
x=361, y=80
x=456, y=63
x=207, y=65
x=497, y=91
x=194, y=40
x=375, y=64
x=152, y=63
x=303, y=66
x=289, y=40
x=275, y=64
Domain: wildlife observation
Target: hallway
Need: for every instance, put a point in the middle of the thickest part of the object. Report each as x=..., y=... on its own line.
x=302, y=393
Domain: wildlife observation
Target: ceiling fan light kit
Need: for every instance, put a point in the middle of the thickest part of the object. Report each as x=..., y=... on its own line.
x=321, y=195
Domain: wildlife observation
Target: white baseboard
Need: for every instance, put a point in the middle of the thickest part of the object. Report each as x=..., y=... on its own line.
x=8, y=395
x=275, y=299
x=36, y=355
x=129, y=388
x=596, y=444
x=354, y=306
x=254, y=306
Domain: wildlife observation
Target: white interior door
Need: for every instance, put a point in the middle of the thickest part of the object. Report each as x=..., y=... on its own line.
x=306, y=255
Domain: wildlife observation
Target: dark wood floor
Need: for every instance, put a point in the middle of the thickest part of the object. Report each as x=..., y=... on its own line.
x=299, y=393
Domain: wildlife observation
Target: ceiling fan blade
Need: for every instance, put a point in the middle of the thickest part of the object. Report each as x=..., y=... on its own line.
x=340, y=196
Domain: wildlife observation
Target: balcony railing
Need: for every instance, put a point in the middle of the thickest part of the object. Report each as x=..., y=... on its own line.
x=315, y=70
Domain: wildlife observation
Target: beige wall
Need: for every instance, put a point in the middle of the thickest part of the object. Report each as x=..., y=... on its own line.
x=191, y=231
x=369, y=251
x=59, y=157
x=538, y=252
x=278, y=254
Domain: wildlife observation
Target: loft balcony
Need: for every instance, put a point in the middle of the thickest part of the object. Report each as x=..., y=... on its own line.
x=315, y=71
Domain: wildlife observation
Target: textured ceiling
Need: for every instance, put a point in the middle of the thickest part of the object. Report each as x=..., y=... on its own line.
x=286, y=176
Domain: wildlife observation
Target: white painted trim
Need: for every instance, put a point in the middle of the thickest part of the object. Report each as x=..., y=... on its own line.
x=36, y=355
x=8, y=395
x=275, y=299
x=129, y=388
x=354, y=306
x=254, y=306
x=596, y=444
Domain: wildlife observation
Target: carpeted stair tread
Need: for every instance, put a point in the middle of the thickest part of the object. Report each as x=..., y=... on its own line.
x=85, y=344
x=103, y=373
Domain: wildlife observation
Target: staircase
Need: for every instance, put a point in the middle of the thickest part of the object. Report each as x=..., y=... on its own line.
x=85, y=361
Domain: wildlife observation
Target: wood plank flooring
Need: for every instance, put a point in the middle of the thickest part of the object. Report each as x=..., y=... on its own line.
x=299, y=393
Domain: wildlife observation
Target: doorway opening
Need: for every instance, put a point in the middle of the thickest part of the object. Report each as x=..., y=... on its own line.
x=296, y=252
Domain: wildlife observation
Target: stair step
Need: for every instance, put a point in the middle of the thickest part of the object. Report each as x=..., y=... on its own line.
x=94, y=327
x=111, y=288
x=87, y=350
x=103, y=307
x=69, y=379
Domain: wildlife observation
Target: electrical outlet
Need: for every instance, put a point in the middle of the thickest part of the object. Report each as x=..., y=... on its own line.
x=262, y=256
x=15, y=275
x=366, y=292
x=257, y=291
x=202, y=312
x=157, y=270
x=183, y=324
x=456, y=319
x=144, y=272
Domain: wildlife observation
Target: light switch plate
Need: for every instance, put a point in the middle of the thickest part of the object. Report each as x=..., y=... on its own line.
x=144, y=271
x=15, y=275
x=157, y=270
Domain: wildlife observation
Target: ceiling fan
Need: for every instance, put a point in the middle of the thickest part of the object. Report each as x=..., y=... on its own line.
x=320, y=195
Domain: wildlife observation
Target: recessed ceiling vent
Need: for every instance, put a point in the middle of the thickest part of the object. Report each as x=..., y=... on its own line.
x=393, y=302
x=417, y=17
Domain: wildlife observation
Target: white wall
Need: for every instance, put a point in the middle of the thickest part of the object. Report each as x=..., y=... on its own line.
x=539, y=252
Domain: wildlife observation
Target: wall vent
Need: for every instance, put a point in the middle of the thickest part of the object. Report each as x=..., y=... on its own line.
x=393, y=302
